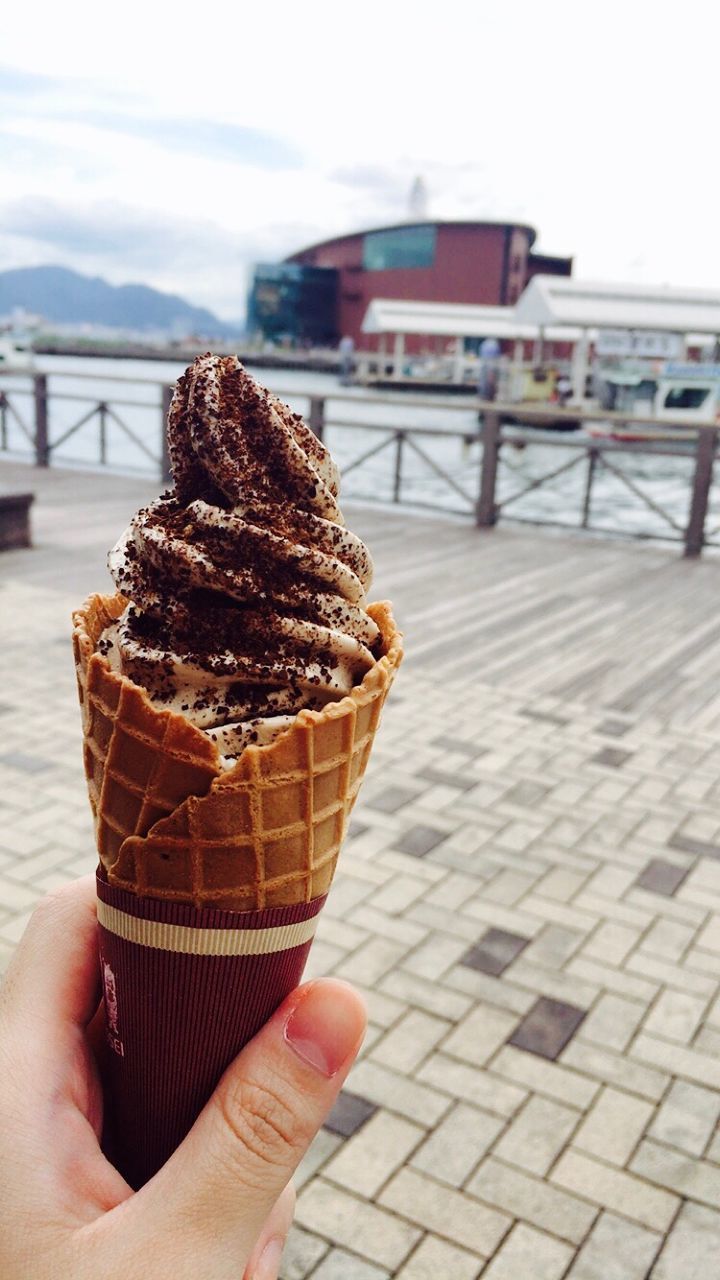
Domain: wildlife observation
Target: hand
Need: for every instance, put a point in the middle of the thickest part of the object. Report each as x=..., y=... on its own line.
x=223, y=1202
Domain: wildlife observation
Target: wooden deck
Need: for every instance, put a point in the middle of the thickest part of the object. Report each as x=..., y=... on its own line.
x=627, y=627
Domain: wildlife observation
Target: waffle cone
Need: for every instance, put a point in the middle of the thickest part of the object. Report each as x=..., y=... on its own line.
x=172, y=823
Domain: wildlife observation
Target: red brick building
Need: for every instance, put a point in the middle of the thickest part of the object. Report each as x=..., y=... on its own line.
x=471, y=262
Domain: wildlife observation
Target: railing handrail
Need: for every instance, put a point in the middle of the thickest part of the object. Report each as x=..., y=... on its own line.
x=601, y=444
x=450, y=402
x=530, y=413
x=494, y=432
x=520, y=411
x=552, y=439
x=71, y=373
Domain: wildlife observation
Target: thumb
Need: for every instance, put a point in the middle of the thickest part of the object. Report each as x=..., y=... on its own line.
x=218, y=1188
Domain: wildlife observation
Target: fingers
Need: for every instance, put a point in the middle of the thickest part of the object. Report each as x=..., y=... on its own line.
x=52, y=981
x=264, y=1263
x=49, y=1092
x=216, y=1192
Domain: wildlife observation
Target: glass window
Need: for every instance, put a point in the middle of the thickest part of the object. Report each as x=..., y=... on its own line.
x=686, y=397
x=290, y=300
x=400, y=247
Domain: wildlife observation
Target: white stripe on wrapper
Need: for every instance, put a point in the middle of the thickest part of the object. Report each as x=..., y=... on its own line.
x=205, y=942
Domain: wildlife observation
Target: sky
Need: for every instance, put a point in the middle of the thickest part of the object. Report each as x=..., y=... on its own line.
x=176, y=144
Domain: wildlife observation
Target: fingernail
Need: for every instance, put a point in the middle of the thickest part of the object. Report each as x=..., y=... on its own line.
x=326, y=1025
x=269, y=1261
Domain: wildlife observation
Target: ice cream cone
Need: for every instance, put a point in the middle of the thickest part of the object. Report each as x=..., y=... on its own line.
x=172, y=823
x=243, y=598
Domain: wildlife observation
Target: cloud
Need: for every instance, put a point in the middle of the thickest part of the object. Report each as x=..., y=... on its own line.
x=26, y=95
x=211, y=139
x=120, y=233
x=15, y=81
x=454, y=190
x=376, y=178
x=196, y=257
x=126, y=234
x=25, y=155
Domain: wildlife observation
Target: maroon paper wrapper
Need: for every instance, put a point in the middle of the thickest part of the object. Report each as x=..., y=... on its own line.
x=184, y=989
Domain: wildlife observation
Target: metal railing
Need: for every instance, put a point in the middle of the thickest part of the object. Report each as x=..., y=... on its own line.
x=103, y=410
x=476, y=493
x=595, y=453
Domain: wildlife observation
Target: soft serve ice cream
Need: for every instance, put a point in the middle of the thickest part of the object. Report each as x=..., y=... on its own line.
x=246, y=591
x=231, y=692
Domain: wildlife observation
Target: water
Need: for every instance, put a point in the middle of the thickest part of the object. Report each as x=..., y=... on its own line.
x=133, y=445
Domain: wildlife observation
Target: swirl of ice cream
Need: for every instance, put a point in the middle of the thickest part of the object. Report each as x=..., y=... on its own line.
x=247, y=590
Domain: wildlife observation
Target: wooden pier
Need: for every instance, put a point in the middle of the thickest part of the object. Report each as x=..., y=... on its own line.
x=626, y=626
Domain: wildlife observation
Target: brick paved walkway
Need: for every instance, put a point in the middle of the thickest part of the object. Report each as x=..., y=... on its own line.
x=529, y=899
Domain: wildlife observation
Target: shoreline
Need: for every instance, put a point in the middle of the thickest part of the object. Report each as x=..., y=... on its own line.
x=319, y=362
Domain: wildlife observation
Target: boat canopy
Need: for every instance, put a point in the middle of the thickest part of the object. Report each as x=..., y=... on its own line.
x=620, y=379
x=560, y=300
x=457, y=320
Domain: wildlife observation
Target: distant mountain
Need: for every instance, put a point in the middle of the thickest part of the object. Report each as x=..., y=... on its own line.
x=64, y=297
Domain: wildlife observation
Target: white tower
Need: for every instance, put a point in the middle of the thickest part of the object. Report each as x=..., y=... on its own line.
x=418, y=200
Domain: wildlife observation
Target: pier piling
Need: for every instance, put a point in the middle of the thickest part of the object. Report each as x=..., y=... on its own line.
x=486, y=513
x=167, y=395
x=316, y=416
x=704, y=462
x=42, y=444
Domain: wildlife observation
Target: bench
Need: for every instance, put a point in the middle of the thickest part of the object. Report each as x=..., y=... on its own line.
x=15, y=520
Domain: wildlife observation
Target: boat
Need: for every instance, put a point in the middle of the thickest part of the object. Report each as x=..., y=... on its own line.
x=548, y=417
x=683, y=395
x=14, y=354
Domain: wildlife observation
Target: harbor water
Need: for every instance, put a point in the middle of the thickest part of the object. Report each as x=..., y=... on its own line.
x=350, y=414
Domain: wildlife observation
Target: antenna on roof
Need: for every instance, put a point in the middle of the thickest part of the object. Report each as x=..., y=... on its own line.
x=418, y=200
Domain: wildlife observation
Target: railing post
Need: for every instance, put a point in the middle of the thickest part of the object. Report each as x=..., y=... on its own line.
x=102, y=410
x=704, y=460
x=3, y=421
x=587, y=500
x=165, y=468
x=397, y=478
x=486, y=510
x=316, y=420
x=42, y=445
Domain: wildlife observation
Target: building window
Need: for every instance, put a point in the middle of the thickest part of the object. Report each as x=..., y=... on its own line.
x=289, y=301
x=400, y=247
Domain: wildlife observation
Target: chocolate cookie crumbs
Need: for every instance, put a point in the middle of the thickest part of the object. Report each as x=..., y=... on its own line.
x=247, y=589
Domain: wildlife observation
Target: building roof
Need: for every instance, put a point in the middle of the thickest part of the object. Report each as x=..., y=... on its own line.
x=553, y=300
x=454, y=320
x=424, y=222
